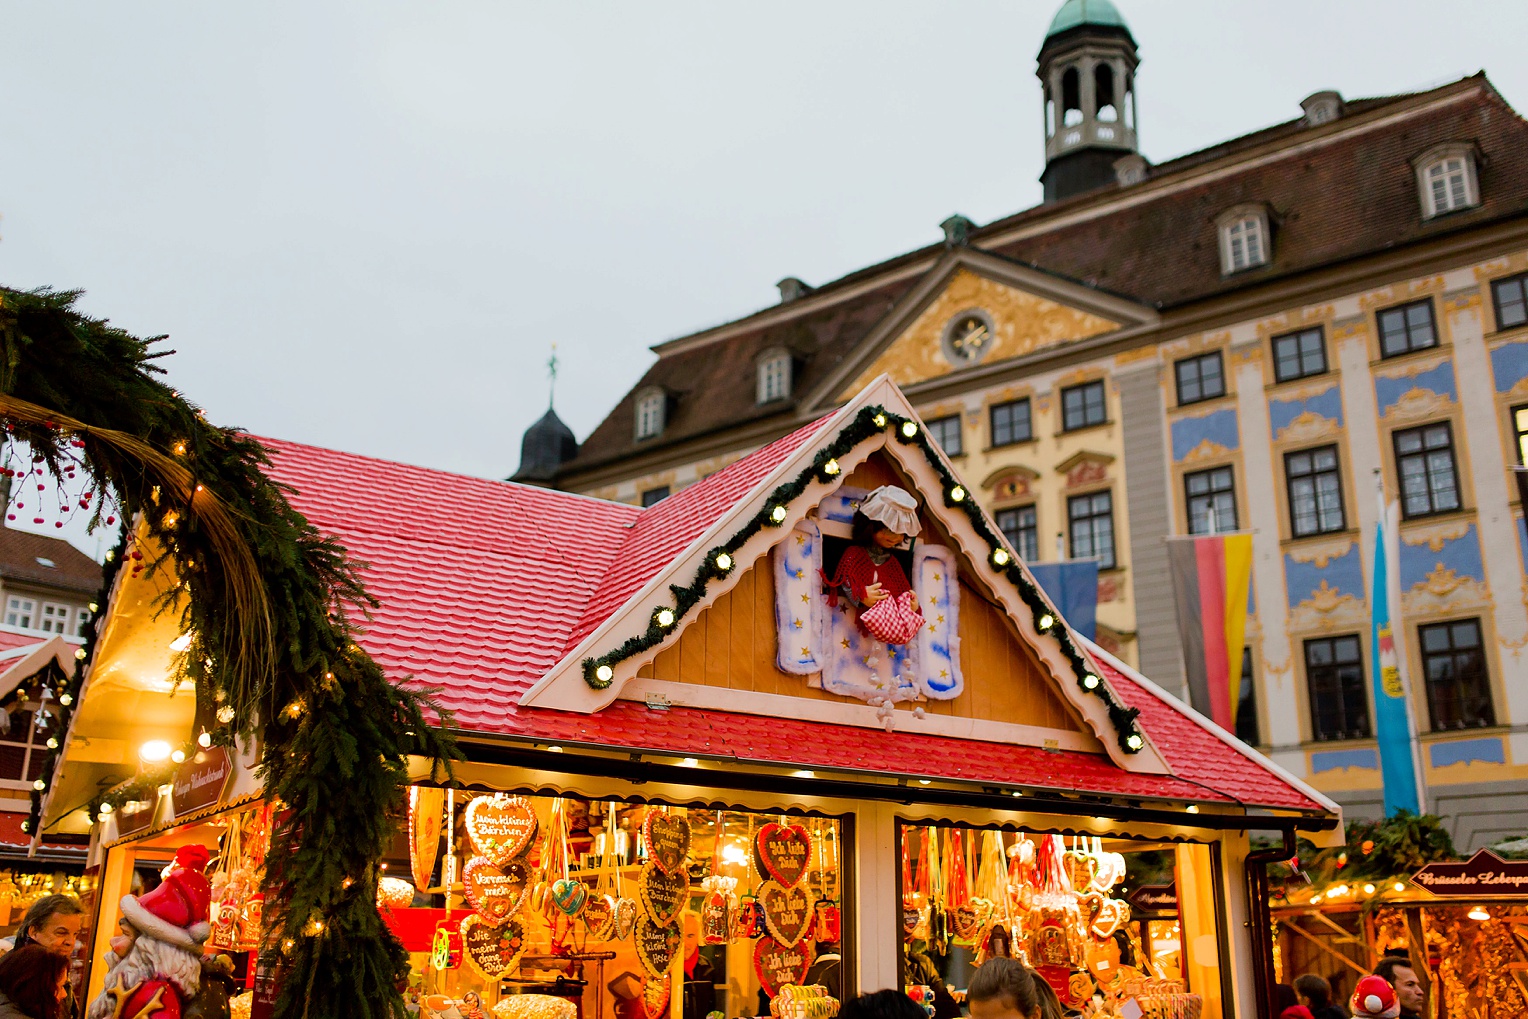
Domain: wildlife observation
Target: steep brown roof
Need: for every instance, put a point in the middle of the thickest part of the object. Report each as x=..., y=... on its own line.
x=72, y=570
x=1350, y=197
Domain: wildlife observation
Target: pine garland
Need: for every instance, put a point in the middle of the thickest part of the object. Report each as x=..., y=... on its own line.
x=273, y=643
x=599, y=672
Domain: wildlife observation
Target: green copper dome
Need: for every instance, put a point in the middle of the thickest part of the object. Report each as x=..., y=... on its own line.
x=1076, y=13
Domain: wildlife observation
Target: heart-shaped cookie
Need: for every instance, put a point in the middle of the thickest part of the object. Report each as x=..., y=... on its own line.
x=570, y=895
x=501, y=826
x=663, y=894
x=777, y=965
x=787, y=911
x=668, y=839
x=783, y=852
x=1112, y=915
x=426, y=810
x=970, y=918
x=1081, y=868
x=656, y=945
x=497, y=893
x=626, y=913
x=655, y=997
x=599, y=917
x=493, y=951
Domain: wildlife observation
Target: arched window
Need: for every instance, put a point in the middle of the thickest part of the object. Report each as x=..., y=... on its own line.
x=1446, y=178
x=1071, y=98
x=651, y=404
x=1244, y=241
x=1103, y=93
x=774, y=376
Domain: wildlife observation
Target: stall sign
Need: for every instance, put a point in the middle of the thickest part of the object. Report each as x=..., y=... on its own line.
x=134, y=817
x=202, y=781
x=1485, y=873
x=1154, y=898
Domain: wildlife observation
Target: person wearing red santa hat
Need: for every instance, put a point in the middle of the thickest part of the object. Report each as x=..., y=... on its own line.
x=1374, y=998
x=155, y=964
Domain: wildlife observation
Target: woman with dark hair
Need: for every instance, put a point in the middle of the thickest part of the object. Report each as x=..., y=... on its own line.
x=878, y=1005
x=33, y=984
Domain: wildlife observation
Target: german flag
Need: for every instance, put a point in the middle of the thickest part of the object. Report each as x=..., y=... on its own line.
x=1210, y=579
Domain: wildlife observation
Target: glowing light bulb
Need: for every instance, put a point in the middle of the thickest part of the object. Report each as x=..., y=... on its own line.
x=604, y=673
x=178, y=756
x=1134, y=742
x=831, y=468
x=957, y=494
x=1046, y=622
x=778, y=514
x=66, y=698
x=1368, y=889
x=1000, y=556
x=1399, y=886
x=106, y=809
x=665, y=618
x=909, y=429
x=880, y=420
x=1478, y=913
x=689, y=762
x=181, y=643
x=1090, y=681
x=803, y=773
x=79, y=654
x=40, y=785
x=1193, y=808
x=154, y=751
x=724, y=562
x=52, y=742
x=225, y=714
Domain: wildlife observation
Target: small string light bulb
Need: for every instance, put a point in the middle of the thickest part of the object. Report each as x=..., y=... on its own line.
x=909, y=429
x=1134, y=741
x=40, y=784
x=79, y=654
x=880, y=420
x=957, y=494
x=1000, y=557
x=225, y=714
x=178, y=756
x=724, y=562
x=1046, y=622
x=604, y=673
x=1090, y=681
x=665, y=618
x=831, y=468
x=66, y=698
x=52, y=742
x=778, y=514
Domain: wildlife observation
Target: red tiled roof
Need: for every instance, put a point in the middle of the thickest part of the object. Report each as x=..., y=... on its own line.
x=72, y=570
x=484, y=584
x=10, y=640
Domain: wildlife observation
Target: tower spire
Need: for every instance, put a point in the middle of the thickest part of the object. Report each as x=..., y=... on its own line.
x=551, y=374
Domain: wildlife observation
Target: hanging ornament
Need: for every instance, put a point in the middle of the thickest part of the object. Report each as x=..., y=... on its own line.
x=426, y=810
x=667, y=837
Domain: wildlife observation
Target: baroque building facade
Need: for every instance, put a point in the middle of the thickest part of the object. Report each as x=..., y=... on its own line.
x=1251, y=337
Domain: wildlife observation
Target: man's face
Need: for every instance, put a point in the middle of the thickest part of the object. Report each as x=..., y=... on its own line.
x=1408, y=990
x=995, y=1008
x=58, y=933
x=123, y=942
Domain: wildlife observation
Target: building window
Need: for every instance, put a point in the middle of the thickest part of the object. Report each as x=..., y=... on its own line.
x=1200, y=378
x=946, y=432
x=1083, y=406
x=650, y=407
x=1424, y=459
x=19, y=612
x=1407, y=328
x=55, y=618
x=1520, y=427
x=1246, y=703
x=1211, y=496
x=1315, y=491
x=1334, y=675
x=1298, y=355
x=1243, y=242
x=22, y=750
x=653, y=496
x=1011, y=423
x=774, y=376
x=1458, y=690
x=82, y=623
x=1020, y=527
x=1447, y=180
x=1092, y=527
x=1511, y=299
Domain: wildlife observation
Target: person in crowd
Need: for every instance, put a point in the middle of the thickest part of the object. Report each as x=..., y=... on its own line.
x=33, y=983
x=889, y=1004
x=53, y=922
x=1007, y=989
x=919, y=968
x=1316, y=994
x=1398, y=972
x=1286, y=1003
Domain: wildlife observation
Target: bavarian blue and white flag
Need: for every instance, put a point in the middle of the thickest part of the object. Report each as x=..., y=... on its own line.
x=1392, y=719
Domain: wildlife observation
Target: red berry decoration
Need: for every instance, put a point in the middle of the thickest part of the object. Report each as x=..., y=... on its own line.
x=37, y=520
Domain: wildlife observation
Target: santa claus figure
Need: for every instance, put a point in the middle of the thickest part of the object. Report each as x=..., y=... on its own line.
x=155, y=963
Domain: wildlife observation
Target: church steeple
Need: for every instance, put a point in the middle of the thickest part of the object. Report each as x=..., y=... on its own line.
x=547, y=444
x=1087, y=75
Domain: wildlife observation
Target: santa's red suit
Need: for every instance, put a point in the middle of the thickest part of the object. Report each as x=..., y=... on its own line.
x=161, y=970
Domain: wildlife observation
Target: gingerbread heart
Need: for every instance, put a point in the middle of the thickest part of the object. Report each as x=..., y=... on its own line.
x=783, y=852
x=599, y=917
x=1081, y=868
x=787, y=911
x=971, y=918
x=1112, y=915
x=655, y=997
x=656, y=945
x=668, y=840
x=777, y=965
x=501, y=826
x=626, y=913
x=663, y=895
x=570, y=895
x=493, y=951
x=497, y=893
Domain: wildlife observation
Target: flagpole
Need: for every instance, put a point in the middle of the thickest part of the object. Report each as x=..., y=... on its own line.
x=1388, y=522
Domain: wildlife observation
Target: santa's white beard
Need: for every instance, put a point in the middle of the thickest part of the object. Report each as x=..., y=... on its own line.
x=148, y=959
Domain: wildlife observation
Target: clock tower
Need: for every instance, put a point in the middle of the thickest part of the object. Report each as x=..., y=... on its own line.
x=1087, y=77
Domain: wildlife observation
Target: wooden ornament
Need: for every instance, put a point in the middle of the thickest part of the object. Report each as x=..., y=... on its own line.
x=500, y=826
x=656, y=945
x=626, y=914
x=599, y=917
x=787, y=912
x=494, y=951
x=426, y=812
x=496, y=892
x=668, y=840
x=783, y=852
x=655, y=997
x=777, y=965
x=570, y=895
x=971, y=918
x=663, y=894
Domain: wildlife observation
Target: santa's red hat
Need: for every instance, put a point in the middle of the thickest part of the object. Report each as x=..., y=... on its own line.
x=1374, y=998
x=176, y=911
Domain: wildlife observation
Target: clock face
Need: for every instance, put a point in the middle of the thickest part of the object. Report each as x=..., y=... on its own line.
x=967, y=339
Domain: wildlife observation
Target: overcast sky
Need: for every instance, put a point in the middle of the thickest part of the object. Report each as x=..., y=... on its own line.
x=363, y=224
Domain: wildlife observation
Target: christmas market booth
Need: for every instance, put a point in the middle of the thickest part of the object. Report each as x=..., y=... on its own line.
x=804, y=729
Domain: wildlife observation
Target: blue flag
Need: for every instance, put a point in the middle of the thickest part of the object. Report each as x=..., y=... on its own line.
x=1073, y=589
x=1392, y=725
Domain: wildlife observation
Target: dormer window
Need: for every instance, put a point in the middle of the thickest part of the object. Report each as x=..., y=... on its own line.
x=1243, y=239
x=651, y=404
x=1446, y=178
x=774, y=376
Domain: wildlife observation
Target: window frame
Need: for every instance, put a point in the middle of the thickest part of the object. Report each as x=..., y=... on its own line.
x=1440, y=155
x=1520, y=431
x=1482, y=676
x=1252, y=220
x=1521, y=281
x=34, y=750
x=657, y=400
x=1366, y=731
x=1104, y=563
x=1249, y=683
x=25, y=616
x=768, y=360
x=653, y=492
x=937, y=426
x=1029, y=422
x=1432, y=319
x=1289, y=491
x=1018, y=548
x=1197, y=361
x=1296, y=336
x=1400, y=475
x=1082, y=388
x=1188, y=498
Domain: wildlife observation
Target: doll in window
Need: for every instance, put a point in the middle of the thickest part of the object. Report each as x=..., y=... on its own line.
x=870, y=577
